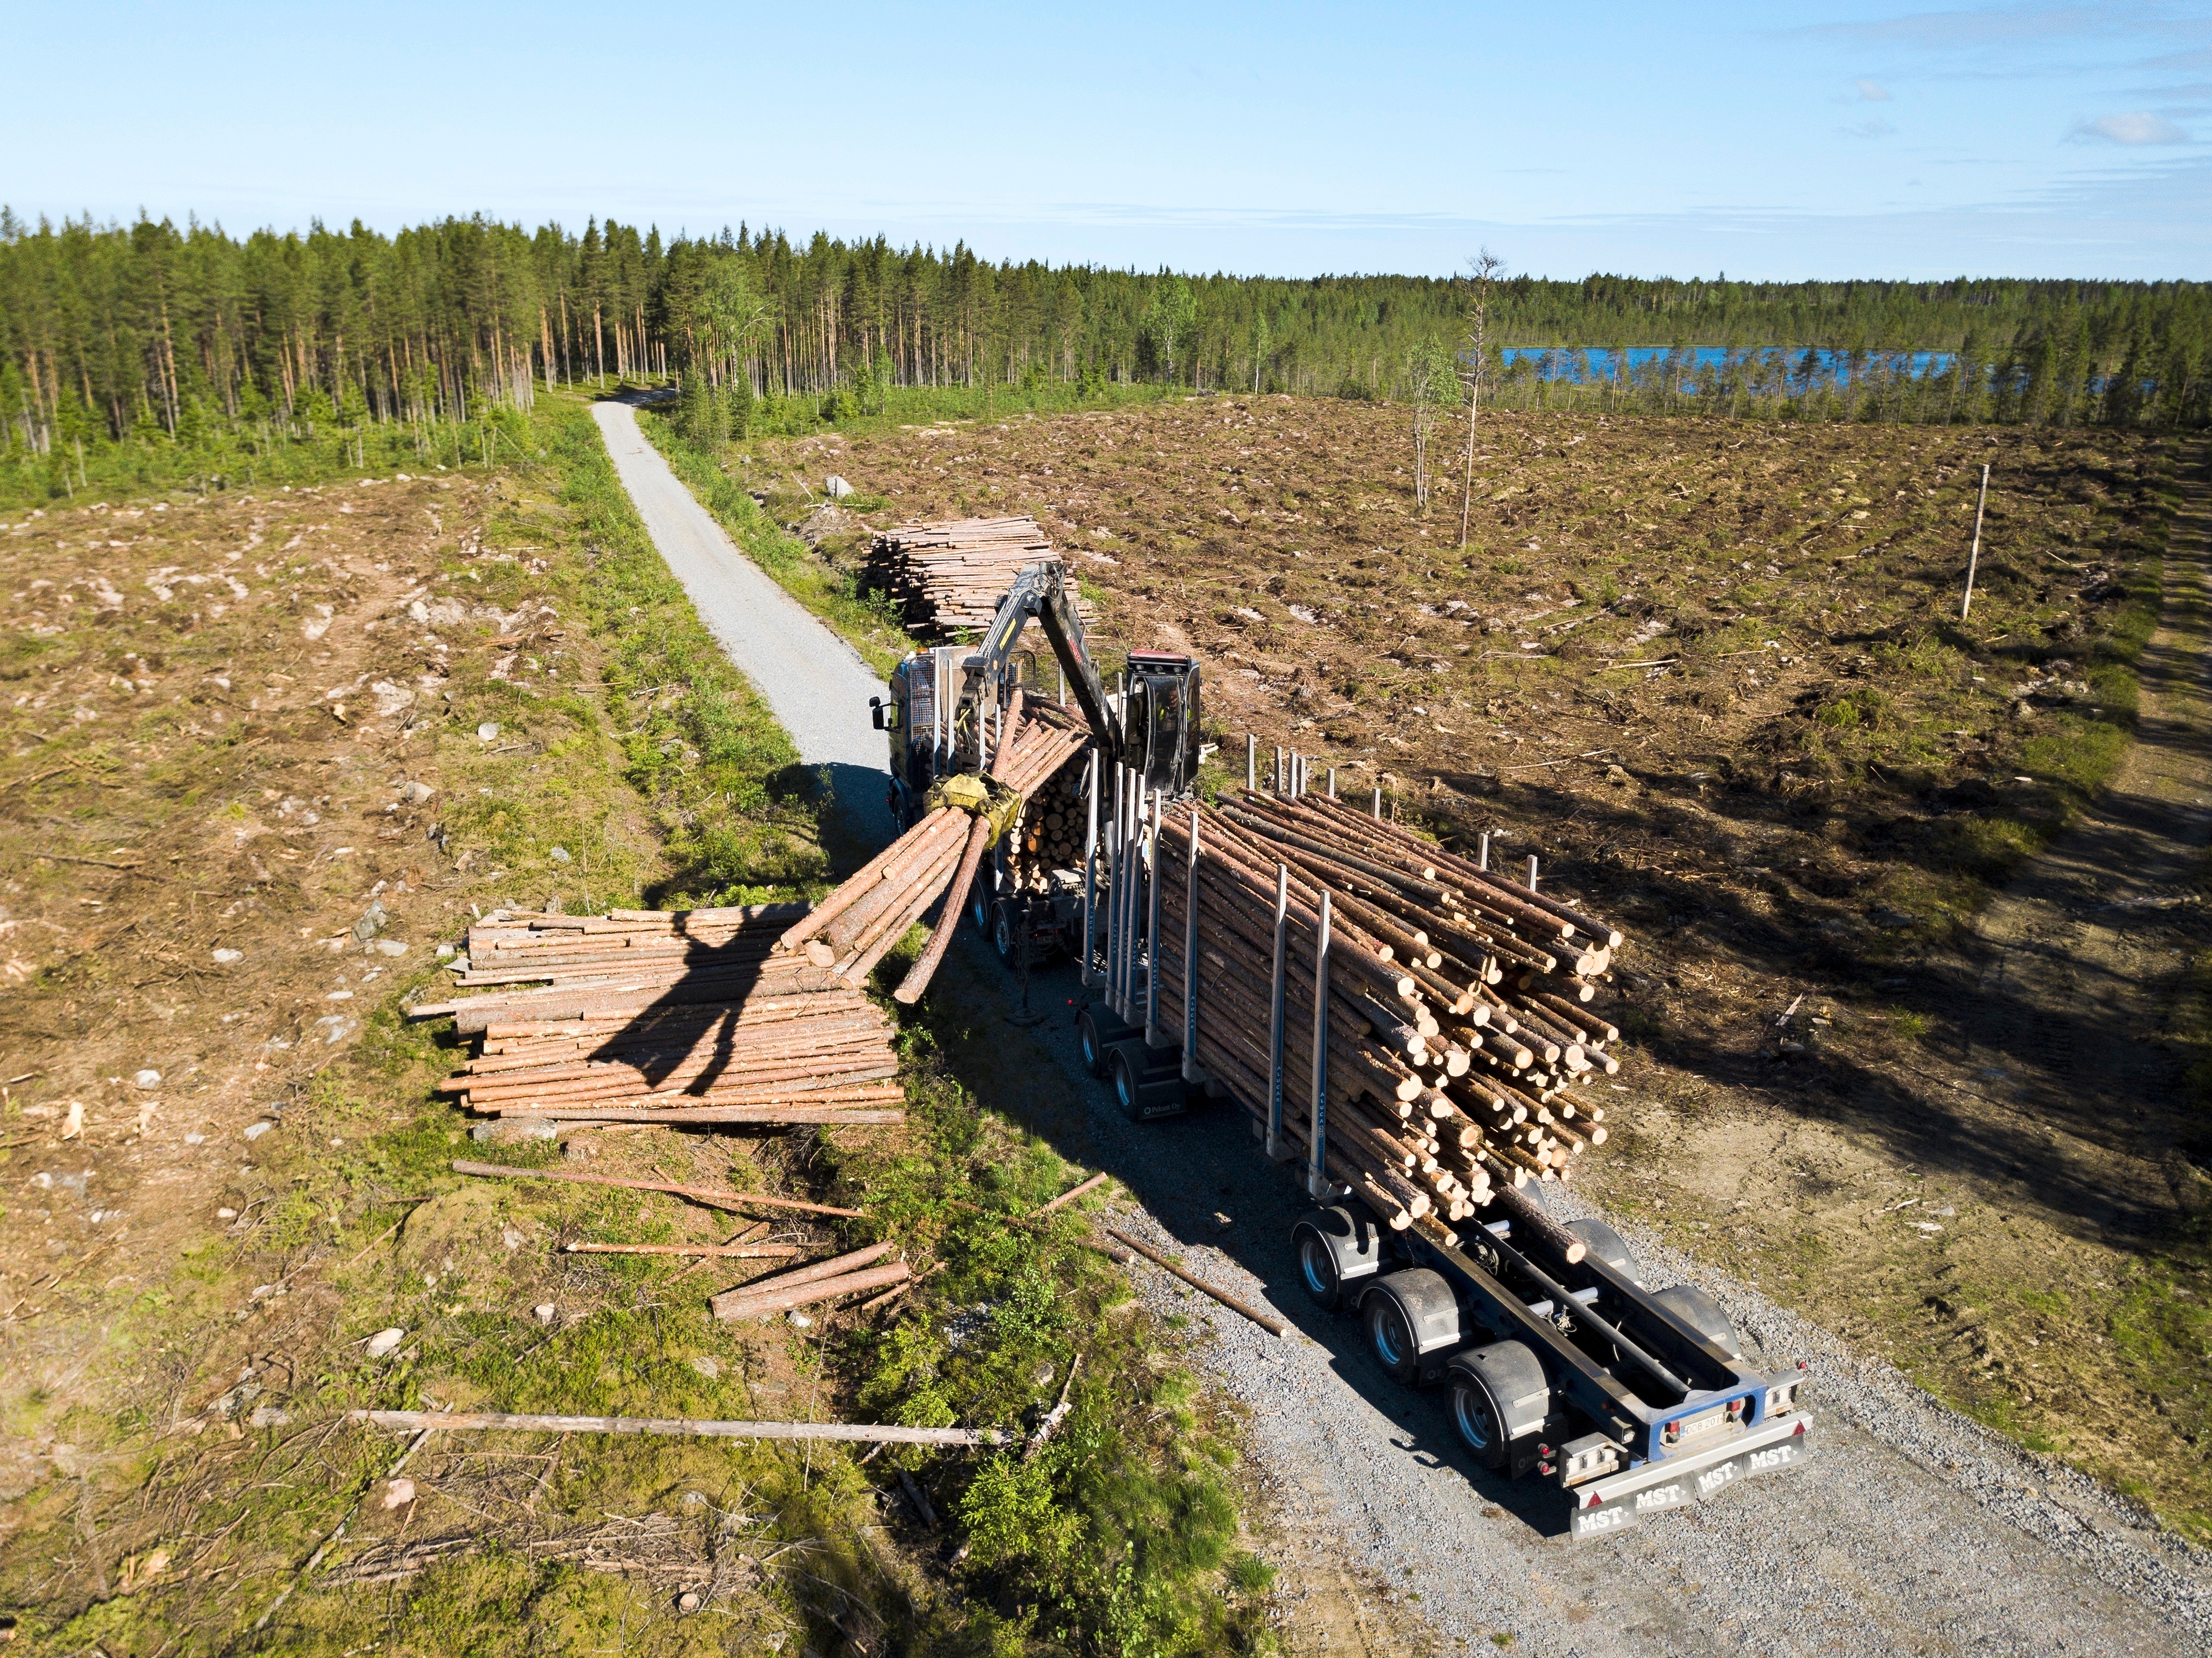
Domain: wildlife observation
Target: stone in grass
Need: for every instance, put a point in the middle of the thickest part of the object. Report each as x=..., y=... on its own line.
x=835, y=488
x=385, y=1342
x=229, y=957
x=398, y=1492
x=488, y=731
x=390, y=947
x=147, y=1080
x=254, y=1131
x=372, y=920
x=559, y=854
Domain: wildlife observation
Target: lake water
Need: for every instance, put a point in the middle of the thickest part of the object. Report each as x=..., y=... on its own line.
x=1594, y=365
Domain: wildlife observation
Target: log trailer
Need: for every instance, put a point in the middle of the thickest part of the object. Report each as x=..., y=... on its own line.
x=1558, y=1360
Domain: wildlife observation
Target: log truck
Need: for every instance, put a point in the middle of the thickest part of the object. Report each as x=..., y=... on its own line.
x=1558, y=1360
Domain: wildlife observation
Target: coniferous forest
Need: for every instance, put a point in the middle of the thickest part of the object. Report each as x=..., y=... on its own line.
x=219, y=354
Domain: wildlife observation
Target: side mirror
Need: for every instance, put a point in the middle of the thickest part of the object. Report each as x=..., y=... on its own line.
x=883, y=715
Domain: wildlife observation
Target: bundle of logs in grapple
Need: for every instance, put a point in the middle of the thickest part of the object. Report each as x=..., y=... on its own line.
x=851, y=930
x=948, y=576
x=650, y=1016
x=1459, y=1043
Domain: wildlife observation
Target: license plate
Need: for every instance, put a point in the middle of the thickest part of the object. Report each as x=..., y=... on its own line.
x=1682, y=1490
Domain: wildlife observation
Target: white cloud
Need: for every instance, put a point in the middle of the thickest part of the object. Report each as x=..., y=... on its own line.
x=1868, y=130
x=2136, y=127
x=1872, y=92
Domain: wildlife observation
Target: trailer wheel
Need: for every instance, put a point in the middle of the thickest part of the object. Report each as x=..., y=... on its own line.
x=1002, y=932
x=1607, y=1245
x=1391, y=1338
x=1097, y=1028
x=1703, y=1313
x=1317, y=1271
x=1500, y=1395
x=1476, y=1419
x=1335, y=1246
x=1125, y=1070
x=979, y=909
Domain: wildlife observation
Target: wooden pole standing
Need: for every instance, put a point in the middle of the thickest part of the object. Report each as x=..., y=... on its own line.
x=1974, y=556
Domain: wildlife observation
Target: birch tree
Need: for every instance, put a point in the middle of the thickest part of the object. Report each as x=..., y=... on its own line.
x=1474, y=369
x=1433, y=382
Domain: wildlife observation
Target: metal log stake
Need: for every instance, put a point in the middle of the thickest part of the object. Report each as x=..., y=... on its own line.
x=1276, y=1148
x=1319, y=1187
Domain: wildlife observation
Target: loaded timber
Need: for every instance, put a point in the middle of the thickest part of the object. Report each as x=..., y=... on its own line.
x=1416, y=1036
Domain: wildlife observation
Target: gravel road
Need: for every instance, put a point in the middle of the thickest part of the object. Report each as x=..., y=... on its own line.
x=817, y=683
x=1910, y=1530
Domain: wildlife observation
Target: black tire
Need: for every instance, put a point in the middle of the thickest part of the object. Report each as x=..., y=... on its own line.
x=1126, y=1062
x=980, y=906
x=1391, y=1338
x=1474, y=1416
x=1317, y=1271
x=1002, y=932
x=1097, y=1030
x=1703, y=1313
x=1607, y=1245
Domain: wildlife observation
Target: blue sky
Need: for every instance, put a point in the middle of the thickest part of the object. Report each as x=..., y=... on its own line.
x=1831, y=140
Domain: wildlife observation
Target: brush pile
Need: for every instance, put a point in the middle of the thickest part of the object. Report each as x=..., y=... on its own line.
x=948, y=576
x=850, y=930
x=653, y=1016
x=1460, y=1045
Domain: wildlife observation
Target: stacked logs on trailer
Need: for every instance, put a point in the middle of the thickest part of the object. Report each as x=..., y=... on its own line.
x=852, y=929
x=1460, y=1049
x=661, y=1016
x=948, y=576
x=1051, y=831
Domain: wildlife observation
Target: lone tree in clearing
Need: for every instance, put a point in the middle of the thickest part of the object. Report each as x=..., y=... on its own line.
x=1475, y=368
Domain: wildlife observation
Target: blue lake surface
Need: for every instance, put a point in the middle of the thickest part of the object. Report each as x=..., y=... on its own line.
x=1586, y=365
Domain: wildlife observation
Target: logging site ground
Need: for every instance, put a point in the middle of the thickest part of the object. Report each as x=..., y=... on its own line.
x=1915, y=1003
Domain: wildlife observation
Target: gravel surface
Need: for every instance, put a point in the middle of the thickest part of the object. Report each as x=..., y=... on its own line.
x=817, y=683
x=1912, y=1529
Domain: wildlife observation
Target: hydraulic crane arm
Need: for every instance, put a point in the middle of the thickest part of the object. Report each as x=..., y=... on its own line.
x=1040, y=591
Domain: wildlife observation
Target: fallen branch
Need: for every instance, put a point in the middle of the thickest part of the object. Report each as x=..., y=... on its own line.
x=679, y=1427
x=708, y=1195
x=1053, y=1416
x=1266, y=1322
x=1070, y=1196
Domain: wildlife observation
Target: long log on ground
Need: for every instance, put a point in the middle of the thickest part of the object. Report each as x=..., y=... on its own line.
x=712, y=1197
x=764, y=1300
x=736, y=1251
x=1266, y=1322
x=773, y=1116
x=680, y=1427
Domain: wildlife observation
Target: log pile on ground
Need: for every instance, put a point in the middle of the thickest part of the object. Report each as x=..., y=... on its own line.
x=1460, y=1045
x=848, y=931
x=826, y=1280
x=653, y=1016
x=948, y=576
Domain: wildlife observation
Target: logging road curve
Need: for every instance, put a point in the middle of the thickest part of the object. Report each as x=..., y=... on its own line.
x=1912, y=1530
x=817, y=684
